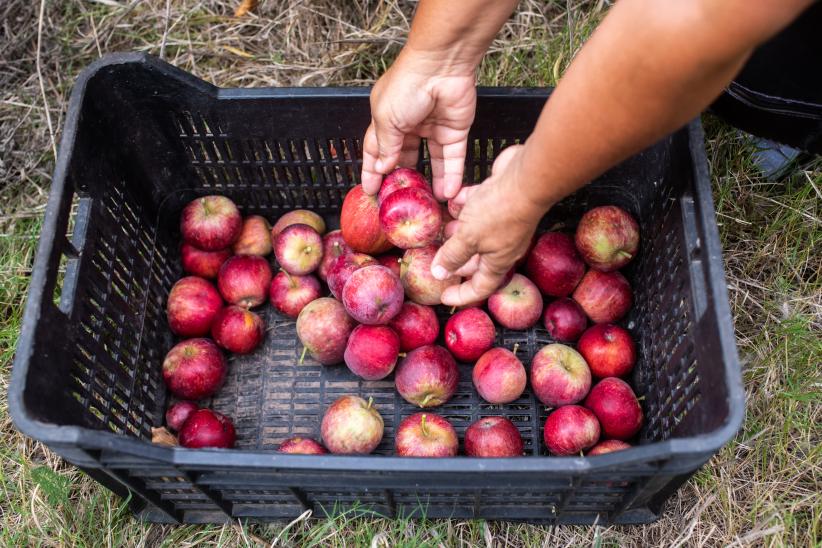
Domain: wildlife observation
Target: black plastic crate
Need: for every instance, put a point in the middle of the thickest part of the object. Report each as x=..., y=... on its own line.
x=142, y=138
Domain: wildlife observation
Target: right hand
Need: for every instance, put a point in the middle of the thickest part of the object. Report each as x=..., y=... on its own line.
x=416, y=98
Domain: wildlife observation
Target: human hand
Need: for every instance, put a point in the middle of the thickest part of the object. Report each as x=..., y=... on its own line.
x=418, y=98
x=493, y=231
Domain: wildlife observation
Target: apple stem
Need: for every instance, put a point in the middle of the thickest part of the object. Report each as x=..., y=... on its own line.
x=625, y=254
x=453, y=308
x=516, y=347
x=422, y=425
x=425, y=400
x=641, y=398
x=370, y=402
x=302, y=356
x=402, y=354
x=287, y=275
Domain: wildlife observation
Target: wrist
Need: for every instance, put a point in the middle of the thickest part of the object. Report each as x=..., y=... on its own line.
x=433, y=60
x=535, y=182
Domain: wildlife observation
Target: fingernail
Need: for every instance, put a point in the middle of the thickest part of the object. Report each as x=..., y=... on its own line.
x=439, y=272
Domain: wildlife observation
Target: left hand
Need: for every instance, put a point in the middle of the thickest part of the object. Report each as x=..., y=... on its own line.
x=493, y=231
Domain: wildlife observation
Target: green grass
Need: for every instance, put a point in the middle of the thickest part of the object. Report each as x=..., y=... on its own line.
x=762, y=489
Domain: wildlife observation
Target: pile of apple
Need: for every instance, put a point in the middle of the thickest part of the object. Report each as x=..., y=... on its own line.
x=379, y=319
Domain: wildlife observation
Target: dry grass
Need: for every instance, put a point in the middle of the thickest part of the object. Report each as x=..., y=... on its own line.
x=763, y=489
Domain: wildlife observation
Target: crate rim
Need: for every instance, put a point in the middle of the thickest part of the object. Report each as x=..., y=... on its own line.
x=703, y=445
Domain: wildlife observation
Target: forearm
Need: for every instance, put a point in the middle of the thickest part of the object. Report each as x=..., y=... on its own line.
x=650, y=67
x=455, y=34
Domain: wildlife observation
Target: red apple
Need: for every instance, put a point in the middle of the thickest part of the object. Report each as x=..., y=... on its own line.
x=616, y=407
x=360, y=223
x=299, y=249
x=427, y=376
x=499, y=376
x=373, y=295
x=608, y=446
x=192, y=304
x=402, y=177
x=207, y=428
x=416, y=325
x=244, y=279
x=372, y=351
x=211, y=223
x=302, y=446
x=289, y=294
x=298, y=216
x=564, y=320
x=607, y=238
x=352, y=426
x=333, y=246
x=178, y=413
x=554, y=264
x=238, y=330
x=559, y=375
x=411, y=217
x=517, y=305
x=493, y=437
x=204, y=264
x=255, y=237
x=469, y=333
x=194, y=369
x=420, y=285
x=570, y=430
x=389, y=260
x=604, y=296
x=609, y=350
x=342, y=268
x=426, y=435
x=323, y=327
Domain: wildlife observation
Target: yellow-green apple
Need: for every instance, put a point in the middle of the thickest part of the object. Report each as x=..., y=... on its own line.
x=607, y=237
x=426, y=435
x=352, y=425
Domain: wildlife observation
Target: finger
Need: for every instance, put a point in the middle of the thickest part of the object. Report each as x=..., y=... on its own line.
x=410, y=151
x=465, y=194
x=480, y=286
x=389, y=146
x=504, y=159
x=470, y=267
x=454, y=253
x=453, y=165
x=371, y=179
x=451, y=228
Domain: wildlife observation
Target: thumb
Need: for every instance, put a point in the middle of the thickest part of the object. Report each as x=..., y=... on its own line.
x=454, y=253
x=389, y=146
